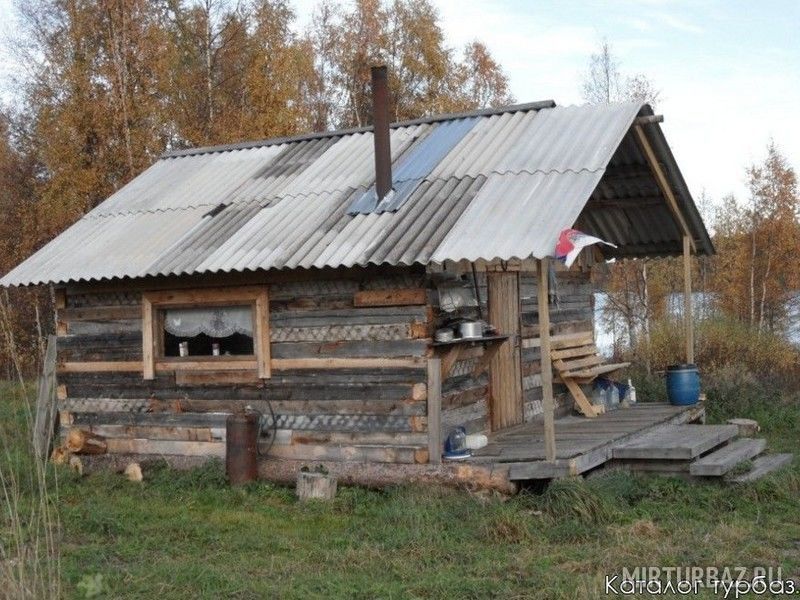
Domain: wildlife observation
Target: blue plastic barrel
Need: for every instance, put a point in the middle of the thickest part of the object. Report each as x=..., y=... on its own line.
x=683, y=384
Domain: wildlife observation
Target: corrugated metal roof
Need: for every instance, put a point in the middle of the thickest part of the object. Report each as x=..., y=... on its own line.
x=489, y=184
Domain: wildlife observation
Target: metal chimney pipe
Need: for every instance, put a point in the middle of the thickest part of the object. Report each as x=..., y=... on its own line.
x=380, y=123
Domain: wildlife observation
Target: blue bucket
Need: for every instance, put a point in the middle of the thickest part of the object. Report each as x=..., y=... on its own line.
x=683, y=385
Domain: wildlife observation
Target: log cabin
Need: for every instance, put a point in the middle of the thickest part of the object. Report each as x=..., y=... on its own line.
x=305, y=278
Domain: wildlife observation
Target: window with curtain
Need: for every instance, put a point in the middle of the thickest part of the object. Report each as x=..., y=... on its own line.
x=208, y=331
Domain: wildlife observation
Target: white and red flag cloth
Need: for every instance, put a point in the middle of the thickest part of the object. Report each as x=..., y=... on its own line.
x=571, y=242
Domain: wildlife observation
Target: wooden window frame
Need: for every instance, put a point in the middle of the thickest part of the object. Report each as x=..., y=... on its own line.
x=152, y=330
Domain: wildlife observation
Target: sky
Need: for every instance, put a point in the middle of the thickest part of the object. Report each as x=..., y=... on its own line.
x=728, y=70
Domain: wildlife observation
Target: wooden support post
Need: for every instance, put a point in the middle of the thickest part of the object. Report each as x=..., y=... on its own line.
x=505, y=371
x=687, y=299
x=435, y=411
x=661, y=179
x=548, y=405
x=148, y=340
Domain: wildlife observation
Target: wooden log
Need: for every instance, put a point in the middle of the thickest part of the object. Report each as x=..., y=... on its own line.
x=747, y=427
x=134, y=472
x=315, y=486
x=398, y=297
x=382, y=475
x=60, y=456
x=80, y=441
x=166, y=447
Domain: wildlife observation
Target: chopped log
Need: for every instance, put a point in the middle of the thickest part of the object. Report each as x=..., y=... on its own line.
x=76, y=465
x=85, y=442
x=134, y=472
x=315, y=486
x=747, y=427
x=60, y=456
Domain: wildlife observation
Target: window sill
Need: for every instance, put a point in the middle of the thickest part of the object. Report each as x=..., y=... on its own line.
x=207, y=363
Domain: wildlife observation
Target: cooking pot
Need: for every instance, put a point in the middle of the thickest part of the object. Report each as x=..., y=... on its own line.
x=471, y=329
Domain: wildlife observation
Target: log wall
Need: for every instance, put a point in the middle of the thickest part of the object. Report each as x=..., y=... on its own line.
x=350, y=407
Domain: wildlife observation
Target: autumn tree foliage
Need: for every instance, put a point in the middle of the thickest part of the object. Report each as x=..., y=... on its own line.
x=425, y=75
x=757, y=273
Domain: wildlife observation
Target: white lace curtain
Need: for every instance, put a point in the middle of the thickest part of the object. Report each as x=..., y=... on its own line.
x=217, y=322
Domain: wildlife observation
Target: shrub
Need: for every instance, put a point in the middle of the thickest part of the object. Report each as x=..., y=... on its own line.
x=722, y=344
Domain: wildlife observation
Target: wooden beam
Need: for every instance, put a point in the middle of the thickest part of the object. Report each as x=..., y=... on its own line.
x=649, y=119
x=201, y=363
x=100, y=366
x=548, y=405
x=219, y=296
x=687, y=300
x=261, y=331
x=148, y=340
x=284, y=364
x=398, y=297
x=434, y=411
x=662, y=181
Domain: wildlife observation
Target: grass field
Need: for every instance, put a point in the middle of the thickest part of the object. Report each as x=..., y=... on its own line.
x=188, y=535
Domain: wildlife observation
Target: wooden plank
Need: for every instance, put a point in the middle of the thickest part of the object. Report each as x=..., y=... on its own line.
x=434, y=384
x=44, y=422
x=213, y=296
x=216, y=363
x=148, y=340
x=538, y=470
x=663, y=182
x=347, y=363
x=548, y=405
x=505, y=370
x=391, y=297
x=568, y=340
x=592, y=373
x=680, y=442
x=99, y=366
x=262, y=335
x=687, y=300
x=726, y=458
x=583, y=350
x=586, y=407
x=577, y=363
x=762, y=466
x=449, y=358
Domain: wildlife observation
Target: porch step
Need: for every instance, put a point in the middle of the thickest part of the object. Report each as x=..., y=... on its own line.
x=762, y=466
x=727, y=457
x=678, y=442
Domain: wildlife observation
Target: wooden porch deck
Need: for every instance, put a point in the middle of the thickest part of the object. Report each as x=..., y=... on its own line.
x=581, y=444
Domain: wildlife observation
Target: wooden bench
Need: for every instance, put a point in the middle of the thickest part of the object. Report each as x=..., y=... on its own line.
x=577, y=361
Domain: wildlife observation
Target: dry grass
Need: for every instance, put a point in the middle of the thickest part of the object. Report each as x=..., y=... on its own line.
x=29, y=524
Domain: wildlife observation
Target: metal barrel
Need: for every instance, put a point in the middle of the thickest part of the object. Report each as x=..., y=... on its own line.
x=241, y=447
